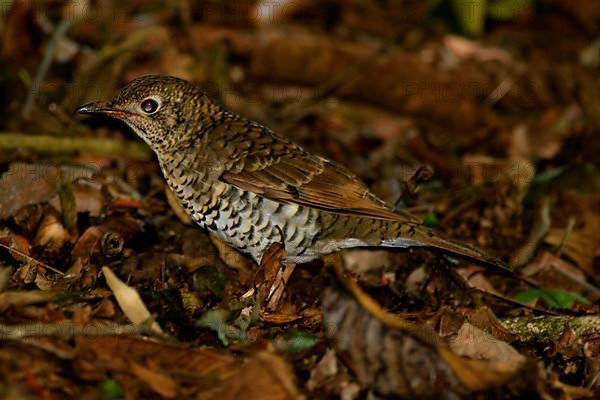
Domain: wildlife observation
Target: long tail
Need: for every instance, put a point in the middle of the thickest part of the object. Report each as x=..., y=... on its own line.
x=427, y=237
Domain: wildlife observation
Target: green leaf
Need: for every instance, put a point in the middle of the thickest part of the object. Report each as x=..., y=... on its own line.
x=549, y=175
x=298, y=341
x=431, y=220
x=111, y=390
x=470, y=15
x=555, y=298
x=217, y=320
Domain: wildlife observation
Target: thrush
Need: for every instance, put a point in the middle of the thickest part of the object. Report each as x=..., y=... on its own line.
x=254, y=187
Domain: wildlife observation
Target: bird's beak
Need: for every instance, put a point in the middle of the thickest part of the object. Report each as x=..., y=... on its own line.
x=101, y=107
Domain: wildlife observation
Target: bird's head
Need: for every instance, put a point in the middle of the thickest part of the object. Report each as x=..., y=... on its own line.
x=164, y=111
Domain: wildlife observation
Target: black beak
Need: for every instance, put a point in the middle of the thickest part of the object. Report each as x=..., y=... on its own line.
x=99, y=107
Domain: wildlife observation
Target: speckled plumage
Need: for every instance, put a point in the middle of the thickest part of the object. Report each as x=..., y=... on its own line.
x=254, y=187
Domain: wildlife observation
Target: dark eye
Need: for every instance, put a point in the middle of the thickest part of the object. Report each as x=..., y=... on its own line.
x=149, y=106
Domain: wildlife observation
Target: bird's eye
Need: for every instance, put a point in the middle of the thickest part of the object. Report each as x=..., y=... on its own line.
x=149, y=106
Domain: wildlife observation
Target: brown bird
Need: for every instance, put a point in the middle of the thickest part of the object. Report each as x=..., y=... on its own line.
x=254, y=187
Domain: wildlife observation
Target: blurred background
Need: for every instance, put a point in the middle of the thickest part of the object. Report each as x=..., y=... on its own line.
x=480, y=116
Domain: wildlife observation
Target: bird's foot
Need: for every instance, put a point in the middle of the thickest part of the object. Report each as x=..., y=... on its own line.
x=278, y=286
x=276, y=275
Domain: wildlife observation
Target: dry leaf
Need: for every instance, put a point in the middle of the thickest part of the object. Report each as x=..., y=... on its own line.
x=581, y=243
x=472, y=342
x=19, y=243
x=129, y=300
x=159, y=382
x=25, y=184
x=233, y=258
x=18, y=298
x=196, y=372
x=264, y=376
x=395, y=356
x=464, y=48
x=51, y=232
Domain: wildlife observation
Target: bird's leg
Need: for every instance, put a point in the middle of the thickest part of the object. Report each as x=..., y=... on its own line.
x=276, y=275
x=278, y=286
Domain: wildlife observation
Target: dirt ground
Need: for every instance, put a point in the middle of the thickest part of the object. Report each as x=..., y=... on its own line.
x=481, y=118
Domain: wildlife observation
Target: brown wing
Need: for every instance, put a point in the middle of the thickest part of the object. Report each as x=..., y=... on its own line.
x=285, y=172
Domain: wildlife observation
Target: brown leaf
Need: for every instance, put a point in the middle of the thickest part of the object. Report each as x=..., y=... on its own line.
x=18, y=28
x=398, y=357
x=89, y=198
x=324, y=370
x=464, y=48
x=264, y=376
x=233, y=258
x=549, y=270
x=90, y=242
x=581, y=245
x=159, y=382
x=207, y=374
x=278, y=319
x=19, y=243
x=485, y=319
x=51, y=232
x=472, y=342
x=25, y=184
x=22, y=298
x=582, y=242
x=115, y=353
x=312, y=59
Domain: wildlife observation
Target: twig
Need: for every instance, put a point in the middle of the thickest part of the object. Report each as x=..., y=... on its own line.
x=31, y=259
x=371, y=306
x=410, y=186
x=594, y=292
x=70, y=330
x=566, y=236
x=58, y=145
x=59, y=32
x=538, y=231
x=546, y=329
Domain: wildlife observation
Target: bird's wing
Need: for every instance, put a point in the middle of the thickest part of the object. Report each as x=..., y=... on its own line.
x=273, y=167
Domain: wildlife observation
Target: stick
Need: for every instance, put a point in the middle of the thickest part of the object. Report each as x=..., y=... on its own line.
x=61, y=144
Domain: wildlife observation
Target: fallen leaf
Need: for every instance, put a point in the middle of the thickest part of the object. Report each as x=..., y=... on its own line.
x=473, y=342
x=263, y=376
x=23, y=298
x=18, y=244
x=26, y=184
x=326, y=368
x=397, y=357
x=159, y=382
x=464, y=48
x=581, y=242
x=233, y=258
x=51, y=232
x=129, y=300
x=216, y=375
x=278, y=319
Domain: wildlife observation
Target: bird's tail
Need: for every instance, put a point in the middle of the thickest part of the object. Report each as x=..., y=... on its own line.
x=422, y=236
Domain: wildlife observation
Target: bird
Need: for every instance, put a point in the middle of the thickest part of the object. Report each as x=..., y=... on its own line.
x=253, y=187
